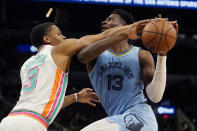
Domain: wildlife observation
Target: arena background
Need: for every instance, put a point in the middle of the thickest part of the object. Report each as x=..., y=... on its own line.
x=176, y=112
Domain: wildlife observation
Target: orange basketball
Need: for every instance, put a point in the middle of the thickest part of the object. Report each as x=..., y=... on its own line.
x=159, y=36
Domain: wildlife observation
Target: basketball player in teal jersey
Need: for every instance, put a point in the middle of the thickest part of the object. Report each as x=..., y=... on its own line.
x=118, y=73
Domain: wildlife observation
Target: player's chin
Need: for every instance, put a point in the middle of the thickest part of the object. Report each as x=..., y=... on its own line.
x=103, y=29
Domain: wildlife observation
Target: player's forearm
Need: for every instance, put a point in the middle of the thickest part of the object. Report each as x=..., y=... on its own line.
x=92, y=51
x=103, y=41
x=90, y=39
x=68, y=100
x=156, y=88
x=116, y=30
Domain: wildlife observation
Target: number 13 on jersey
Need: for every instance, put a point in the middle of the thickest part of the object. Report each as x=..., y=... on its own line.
x=117, y=82
x=31, y=80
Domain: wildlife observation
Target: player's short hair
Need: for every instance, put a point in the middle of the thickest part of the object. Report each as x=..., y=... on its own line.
x=38, y=32
x=126, y=16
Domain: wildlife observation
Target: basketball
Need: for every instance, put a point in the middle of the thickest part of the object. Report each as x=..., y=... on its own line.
x=159, y=36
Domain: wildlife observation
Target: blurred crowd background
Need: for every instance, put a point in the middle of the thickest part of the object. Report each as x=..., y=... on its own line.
x=176, y=112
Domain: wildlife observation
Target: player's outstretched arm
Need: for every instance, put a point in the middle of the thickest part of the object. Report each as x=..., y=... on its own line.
x=154, y=79
x=72, y=46
x=86, y=96
x=115, y=35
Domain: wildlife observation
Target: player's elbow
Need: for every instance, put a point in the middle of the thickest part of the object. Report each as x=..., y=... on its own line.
x=152, y=95
x=82, y=58
x=155, y=99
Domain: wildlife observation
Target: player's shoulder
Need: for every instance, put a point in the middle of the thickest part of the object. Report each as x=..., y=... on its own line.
x=65, y=46
x=67, y=42
x=144, y=52
x=145, y=55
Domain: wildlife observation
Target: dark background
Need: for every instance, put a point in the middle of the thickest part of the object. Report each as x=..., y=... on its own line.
x=17, y=18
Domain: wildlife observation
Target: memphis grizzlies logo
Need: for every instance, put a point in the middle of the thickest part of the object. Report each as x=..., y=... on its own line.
x=132, y=122
x=114, y=66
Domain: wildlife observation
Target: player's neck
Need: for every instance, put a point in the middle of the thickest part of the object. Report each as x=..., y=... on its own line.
x=120, y=47
x=40, y=48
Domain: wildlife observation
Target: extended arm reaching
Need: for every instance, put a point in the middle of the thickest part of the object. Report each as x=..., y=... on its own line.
x=114, y=35
x=90, y=52
x=71, y=46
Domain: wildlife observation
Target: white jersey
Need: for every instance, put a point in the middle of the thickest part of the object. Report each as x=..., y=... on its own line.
x=43, y=88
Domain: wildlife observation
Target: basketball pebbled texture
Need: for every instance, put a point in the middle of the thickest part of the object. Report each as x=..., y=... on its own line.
x=159, y=36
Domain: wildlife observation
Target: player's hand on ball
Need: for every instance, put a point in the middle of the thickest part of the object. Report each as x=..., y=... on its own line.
x=87, y=96
x=175, y=24
x=136, y=28
x=159, y=35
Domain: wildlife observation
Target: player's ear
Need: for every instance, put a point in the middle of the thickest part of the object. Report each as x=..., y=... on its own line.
x=46, y=39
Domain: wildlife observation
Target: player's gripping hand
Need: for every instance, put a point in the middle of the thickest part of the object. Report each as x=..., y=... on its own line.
x=87, y=96
x=176, y=26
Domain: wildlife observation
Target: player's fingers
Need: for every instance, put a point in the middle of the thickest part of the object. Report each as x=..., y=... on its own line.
x=92, y=104
x=145, y=21
x=134, y=37
x=143, y=25
x=93, y=94
x=162, y=18
x=176, y=27
x=94, y=97
x=96, y=100
x=142, y=22
x=173, y=22
x=89, y=89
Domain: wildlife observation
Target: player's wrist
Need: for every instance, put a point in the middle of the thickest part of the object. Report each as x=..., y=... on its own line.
x=76, y=97
x=163, y=54
x=161, y=57
x=161, y=63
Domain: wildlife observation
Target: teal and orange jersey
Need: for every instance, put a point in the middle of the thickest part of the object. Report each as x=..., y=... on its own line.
x=43, y=88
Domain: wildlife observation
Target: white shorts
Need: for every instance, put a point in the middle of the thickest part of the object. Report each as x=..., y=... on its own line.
x=21, y=123
x=102, y=125
x=138, y=118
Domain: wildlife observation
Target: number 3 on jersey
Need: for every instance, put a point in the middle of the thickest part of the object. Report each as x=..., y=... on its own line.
x=31, y=80
x=118, y=82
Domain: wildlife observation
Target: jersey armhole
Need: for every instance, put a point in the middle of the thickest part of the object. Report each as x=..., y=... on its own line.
x=52, y=61
x=138, y=63
x=95, y=66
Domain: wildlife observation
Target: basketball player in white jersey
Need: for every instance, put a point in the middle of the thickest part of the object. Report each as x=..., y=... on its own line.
x=44, y=76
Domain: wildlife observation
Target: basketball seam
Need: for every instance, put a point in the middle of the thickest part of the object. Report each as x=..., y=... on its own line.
x=168, y=31
x=154, y=25
x=155, y=36
x=160, y=33
x=168, y=36
x=160, y=36
x=167, y=42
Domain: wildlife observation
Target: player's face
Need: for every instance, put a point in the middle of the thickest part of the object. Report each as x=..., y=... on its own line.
x=113, y=20
x=55, y=36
